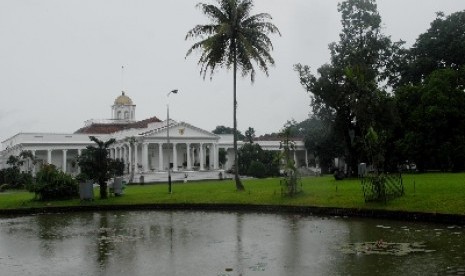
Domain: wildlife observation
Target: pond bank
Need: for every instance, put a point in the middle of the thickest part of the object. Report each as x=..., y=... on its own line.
x=304, y=210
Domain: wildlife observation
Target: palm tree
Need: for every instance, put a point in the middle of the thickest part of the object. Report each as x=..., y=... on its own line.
x=95, y=163
x=233, y=38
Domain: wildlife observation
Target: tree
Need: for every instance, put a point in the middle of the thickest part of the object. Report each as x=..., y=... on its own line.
x=256, y=162
x=96, y=164
x=348, y=91
x=433, y=121
x=234, y=38
x=321, y=141
x=250, y=134
x=441, y=46
x=247, y=154
x=13, y=176
x=28, y=156
x=228, y=130
x=14, y=161
x=290, y=171
x=430, y=98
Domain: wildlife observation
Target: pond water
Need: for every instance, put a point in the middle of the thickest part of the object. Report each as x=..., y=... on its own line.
x=220, y=243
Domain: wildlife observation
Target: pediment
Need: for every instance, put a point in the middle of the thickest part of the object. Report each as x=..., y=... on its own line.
x=180, y=130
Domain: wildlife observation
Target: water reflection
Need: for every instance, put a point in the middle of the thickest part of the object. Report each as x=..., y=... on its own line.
x=209, y=243
x=239, y=249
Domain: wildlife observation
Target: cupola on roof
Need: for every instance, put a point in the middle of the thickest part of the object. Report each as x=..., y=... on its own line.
x=123, y=100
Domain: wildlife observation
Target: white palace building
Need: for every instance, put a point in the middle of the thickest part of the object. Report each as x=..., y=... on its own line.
x=192, y=153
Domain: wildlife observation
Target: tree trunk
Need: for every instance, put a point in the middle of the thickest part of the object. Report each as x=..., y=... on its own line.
x=239, y=185
x=103, y=190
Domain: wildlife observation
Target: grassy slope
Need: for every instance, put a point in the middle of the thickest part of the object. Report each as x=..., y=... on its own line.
x=434, y=193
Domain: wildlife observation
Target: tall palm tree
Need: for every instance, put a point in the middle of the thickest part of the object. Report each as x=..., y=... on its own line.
x=234, y=38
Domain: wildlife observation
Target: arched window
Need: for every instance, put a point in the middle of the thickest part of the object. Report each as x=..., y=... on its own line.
x=118, y=116
x=126, y=115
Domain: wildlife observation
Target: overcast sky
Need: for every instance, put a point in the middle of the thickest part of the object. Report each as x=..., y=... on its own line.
x=60, y=61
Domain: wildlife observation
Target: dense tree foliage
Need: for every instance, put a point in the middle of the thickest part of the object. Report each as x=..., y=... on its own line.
x=347, y=92
x=380, y=103
x=433, y=121
x=430, y=97
x=441, y=46
x=228, y=130
x=256, y=162
x=236, y=39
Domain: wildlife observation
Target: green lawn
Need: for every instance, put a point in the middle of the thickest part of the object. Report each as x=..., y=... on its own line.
x=432, y=193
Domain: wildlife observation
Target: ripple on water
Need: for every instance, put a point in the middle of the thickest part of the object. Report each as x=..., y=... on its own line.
x=258, y=267
x=384, y=248
x=383, y=226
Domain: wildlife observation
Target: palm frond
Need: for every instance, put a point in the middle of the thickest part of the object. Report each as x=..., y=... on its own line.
x=233, y=36
x=212, y=12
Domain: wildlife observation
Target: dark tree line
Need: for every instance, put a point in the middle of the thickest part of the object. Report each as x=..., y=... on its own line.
x=411, y=100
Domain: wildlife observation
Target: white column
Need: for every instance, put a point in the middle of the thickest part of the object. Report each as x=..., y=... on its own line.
x=216, y=164
x=210, y=160
x=295, y=158
x=64, y=161
x=33, y=165
x=136, y=157
x=49, y=156
x=175, y=158
x=126, y=154
x=201, y=157
x=79, y=154
x=193, y=155
x=160, y=156
x=188, y=155
x=306, y=158
x=130, y=157
x=145, y=157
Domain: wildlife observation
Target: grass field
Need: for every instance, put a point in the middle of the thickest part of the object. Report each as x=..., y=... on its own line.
x=431, y=193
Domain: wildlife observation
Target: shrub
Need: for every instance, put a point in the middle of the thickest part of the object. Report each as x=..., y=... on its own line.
x=4, y=187
x=52, y=184
x=257, y=169
x=15, y=178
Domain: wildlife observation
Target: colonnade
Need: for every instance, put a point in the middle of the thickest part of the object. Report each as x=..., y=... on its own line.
x=193, y=155
x=150, y=156
x=62, y=159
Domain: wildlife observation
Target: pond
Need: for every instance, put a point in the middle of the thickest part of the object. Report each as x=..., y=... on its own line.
x=221, y=243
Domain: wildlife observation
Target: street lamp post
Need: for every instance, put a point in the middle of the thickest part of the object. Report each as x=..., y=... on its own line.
x=175, y=91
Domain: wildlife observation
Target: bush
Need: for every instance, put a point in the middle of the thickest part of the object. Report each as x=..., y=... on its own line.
x=4, y=187
x=15, y=178
x=52, y=184
x=257, y=169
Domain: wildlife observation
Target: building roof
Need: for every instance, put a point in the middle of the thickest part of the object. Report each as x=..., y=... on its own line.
x=268, y=137
x=109, y=128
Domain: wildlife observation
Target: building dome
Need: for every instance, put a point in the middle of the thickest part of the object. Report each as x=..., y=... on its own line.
x=123, y=100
